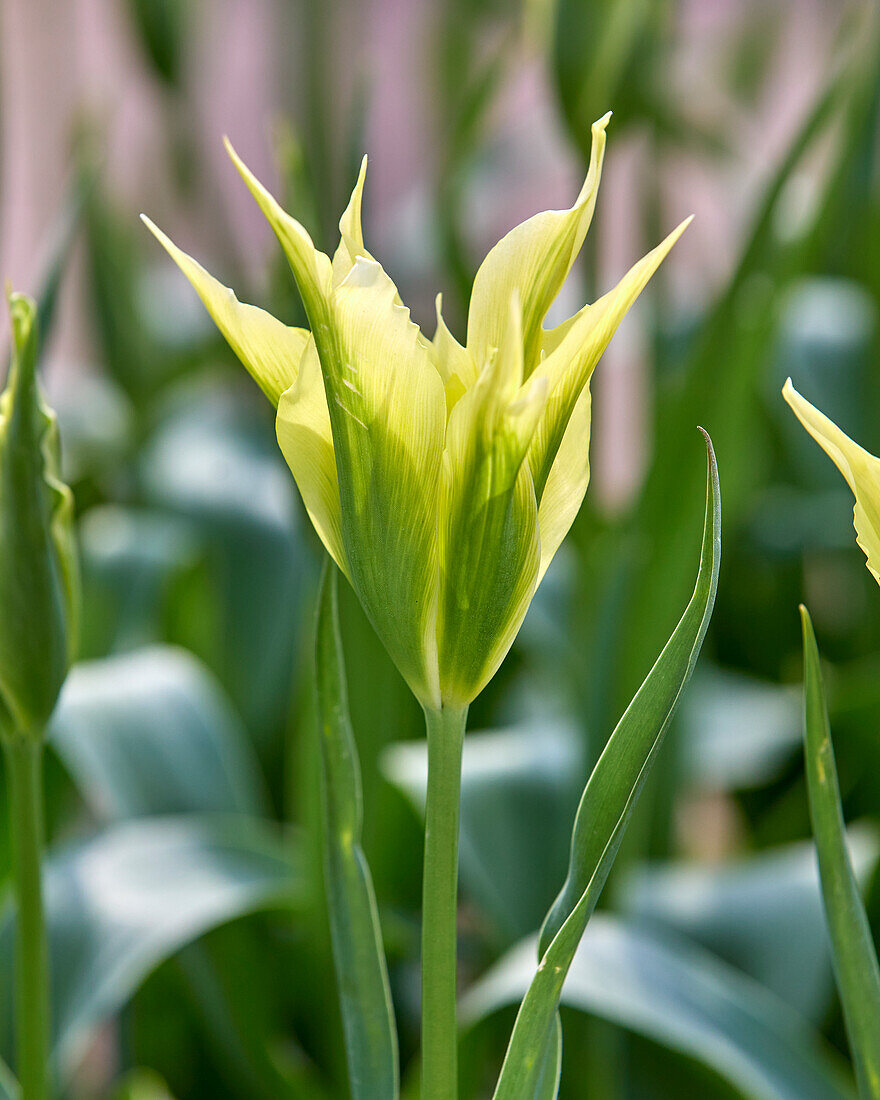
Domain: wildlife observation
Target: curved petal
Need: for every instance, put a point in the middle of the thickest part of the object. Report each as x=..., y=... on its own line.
x=860, y=468
x=311, y=268
x=306, y=441
x=489, y=545
x=533, y=260
x=577, y=345
x=271, y=351
x=567, y=482
x=351, y=234
x=388, y=413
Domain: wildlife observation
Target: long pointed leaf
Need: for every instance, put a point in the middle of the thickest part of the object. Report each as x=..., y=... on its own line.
x=605, y=810
x=364, y=994
x=855, y=960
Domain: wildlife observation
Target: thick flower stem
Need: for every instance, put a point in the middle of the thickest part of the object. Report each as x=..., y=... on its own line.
x=439, y=903
x=25, y=785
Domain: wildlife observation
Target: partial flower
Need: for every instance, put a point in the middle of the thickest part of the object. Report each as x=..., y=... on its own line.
x=860, y=468
x=39, y=579
x=440, y=476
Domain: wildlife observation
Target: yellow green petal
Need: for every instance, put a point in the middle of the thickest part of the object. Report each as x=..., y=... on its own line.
x=860, y=468
x=351, y=234
x=567, y=483
x=533, y=260
x=306, y=441
x=574, y=348
x=489, y=545
x=311, y=268
x=454, y=362
x=388, y=413
x=271, y=351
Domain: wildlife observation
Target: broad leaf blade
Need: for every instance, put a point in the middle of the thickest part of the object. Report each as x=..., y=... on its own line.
x=855, y=959
x=605, y=810
x=362, y=979
x=151, y=733
x=679, y=996
x=762, y=914
x=121, y=903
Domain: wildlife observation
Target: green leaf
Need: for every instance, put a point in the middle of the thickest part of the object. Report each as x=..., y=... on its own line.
x=9, y=1087
x=121, y=903
x=855, y=959
x=212, y=464
x=680, y=996
x=762, y=914
x=605, y=810
x=151, y=732
x=361, y=975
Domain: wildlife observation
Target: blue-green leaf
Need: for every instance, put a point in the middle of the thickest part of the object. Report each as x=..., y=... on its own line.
x=150, y=732
x=121, y=903
x=362, y=979
x=683, y=998
x=855, y=959
x=605, y=810
x=762, y=914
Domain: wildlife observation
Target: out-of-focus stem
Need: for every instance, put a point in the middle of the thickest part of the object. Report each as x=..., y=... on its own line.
x=24, y=755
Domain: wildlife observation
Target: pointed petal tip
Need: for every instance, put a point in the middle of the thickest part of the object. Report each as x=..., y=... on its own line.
x=602, y=122
x=163, y=239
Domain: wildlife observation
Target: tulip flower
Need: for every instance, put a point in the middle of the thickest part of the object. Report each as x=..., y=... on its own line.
x=860, y=468
x=441, y=477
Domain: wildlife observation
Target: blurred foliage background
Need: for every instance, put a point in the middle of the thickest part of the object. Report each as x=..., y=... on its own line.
x=190, y=948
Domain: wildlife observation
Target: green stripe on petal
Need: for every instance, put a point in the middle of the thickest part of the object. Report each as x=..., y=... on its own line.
x=577, y=346
x=860, y=468
x=388, y=413
x=269, y=350
x=489, y=545
x=533, y=261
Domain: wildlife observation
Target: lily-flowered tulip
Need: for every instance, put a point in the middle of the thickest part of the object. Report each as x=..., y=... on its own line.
x=441, y=477
x=860, y=468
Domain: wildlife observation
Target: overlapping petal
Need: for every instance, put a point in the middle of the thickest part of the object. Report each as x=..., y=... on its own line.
x=306, y=441
x=532, y=261
x=489, y=541
x=387, y=413
x=860, y=468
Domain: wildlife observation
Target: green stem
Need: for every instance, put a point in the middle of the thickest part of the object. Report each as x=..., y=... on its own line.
x=439, y=903
x=24, y=757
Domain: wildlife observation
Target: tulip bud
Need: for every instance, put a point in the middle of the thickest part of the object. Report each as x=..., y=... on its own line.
x=39, y=586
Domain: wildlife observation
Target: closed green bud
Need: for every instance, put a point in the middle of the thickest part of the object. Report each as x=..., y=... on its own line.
x=39, y=579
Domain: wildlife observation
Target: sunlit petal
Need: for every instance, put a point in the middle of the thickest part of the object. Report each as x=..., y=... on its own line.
x=533, y=261
x=270, y=350
x=860, y=468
